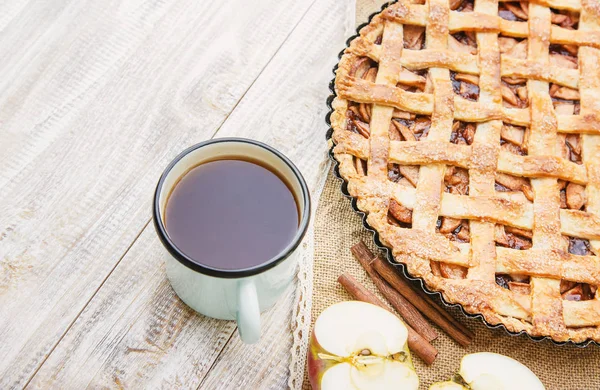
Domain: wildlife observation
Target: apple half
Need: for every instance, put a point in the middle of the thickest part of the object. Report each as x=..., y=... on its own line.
x=357, y=345
x=491, y=371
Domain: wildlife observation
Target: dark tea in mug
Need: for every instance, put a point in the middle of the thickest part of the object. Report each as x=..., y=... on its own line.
x=231, y=213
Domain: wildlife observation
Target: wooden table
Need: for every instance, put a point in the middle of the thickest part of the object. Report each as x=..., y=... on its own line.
x=96, y=97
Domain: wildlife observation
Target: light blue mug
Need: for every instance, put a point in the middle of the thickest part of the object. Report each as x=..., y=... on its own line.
x=240, y=294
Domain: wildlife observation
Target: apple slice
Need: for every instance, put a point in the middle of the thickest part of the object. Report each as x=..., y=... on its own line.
x=449, y=385
x=357, y=345
x=491, y=371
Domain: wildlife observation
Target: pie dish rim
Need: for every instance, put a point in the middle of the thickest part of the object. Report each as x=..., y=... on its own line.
x=417, y=282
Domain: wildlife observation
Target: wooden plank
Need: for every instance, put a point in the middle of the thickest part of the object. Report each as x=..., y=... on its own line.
x=97, y=105
x=261, y=366
x=288, y=109
x=285, y=107
x=136, y=333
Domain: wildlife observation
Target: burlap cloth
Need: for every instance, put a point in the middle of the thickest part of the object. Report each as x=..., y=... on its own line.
x=338, y=227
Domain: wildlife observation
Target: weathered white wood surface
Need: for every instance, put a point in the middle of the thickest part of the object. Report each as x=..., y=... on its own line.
x=95, y=99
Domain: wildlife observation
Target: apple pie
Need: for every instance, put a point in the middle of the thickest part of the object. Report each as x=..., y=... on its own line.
x=469, y=134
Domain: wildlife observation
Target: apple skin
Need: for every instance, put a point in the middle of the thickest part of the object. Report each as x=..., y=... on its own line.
x=316, y=366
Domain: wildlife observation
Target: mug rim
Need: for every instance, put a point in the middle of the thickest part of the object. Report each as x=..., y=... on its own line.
x=184, y=259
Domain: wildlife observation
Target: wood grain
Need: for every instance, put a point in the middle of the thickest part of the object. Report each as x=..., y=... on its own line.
x=278, y=86
x=259, y=366
x=136, y=333
x=112, y=322
x=96, y=98
x=285, y=108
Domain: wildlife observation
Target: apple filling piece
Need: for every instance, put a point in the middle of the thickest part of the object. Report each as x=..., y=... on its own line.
x=514, y=93
x=564, y=56
x=356, y=122
x=519, y=284
x=514, y=139
x=565, y=19
x=399, y=215
x=465, y=85
x=572, y=196
x=573, y=291
x=573, y=143
x=406, y=175
x=513, y=47
x=462, y=5
x=454, y=229
x=514, y=11
x=463, y=133
x=456, y=181
x=463, y=42
x=358, y=115
x=560, y=94
x=514, y=238
x=570, y=21
x=568, y=146
x=520, y=186
x=448, y=271
x=414, y=37
x=568, y=53
x=407, y=127
x=514, y=89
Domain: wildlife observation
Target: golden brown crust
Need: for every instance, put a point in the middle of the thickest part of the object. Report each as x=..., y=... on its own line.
x=411, y=82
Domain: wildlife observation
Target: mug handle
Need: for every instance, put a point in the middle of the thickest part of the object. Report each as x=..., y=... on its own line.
x=248, y=312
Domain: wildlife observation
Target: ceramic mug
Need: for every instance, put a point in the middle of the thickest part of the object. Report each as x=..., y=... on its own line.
x=239, y=294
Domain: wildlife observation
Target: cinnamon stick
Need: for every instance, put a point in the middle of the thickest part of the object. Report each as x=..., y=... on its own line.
x=436, y=314
x=407, y=311
x=417, y=344
x=436, y=306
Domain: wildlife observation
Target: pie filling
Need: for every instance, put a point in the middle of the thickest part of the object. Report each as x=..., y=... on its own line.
x=462, y=5
x=578, y=291
x=407, y=126
x=518, y=11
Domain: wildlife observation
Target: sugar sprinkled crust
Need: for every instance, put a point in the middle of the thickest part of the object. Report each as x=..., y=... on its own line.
x=505, y=95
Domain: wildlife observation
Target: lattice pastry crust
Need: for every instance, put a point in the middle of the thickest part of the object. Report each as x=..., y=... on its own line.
x=469, y=133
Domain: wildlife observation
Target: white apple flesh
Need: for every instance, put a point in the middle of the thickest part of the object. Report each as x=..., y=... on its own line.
x=356, y=345
x=449, y=385
x=492, y=371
